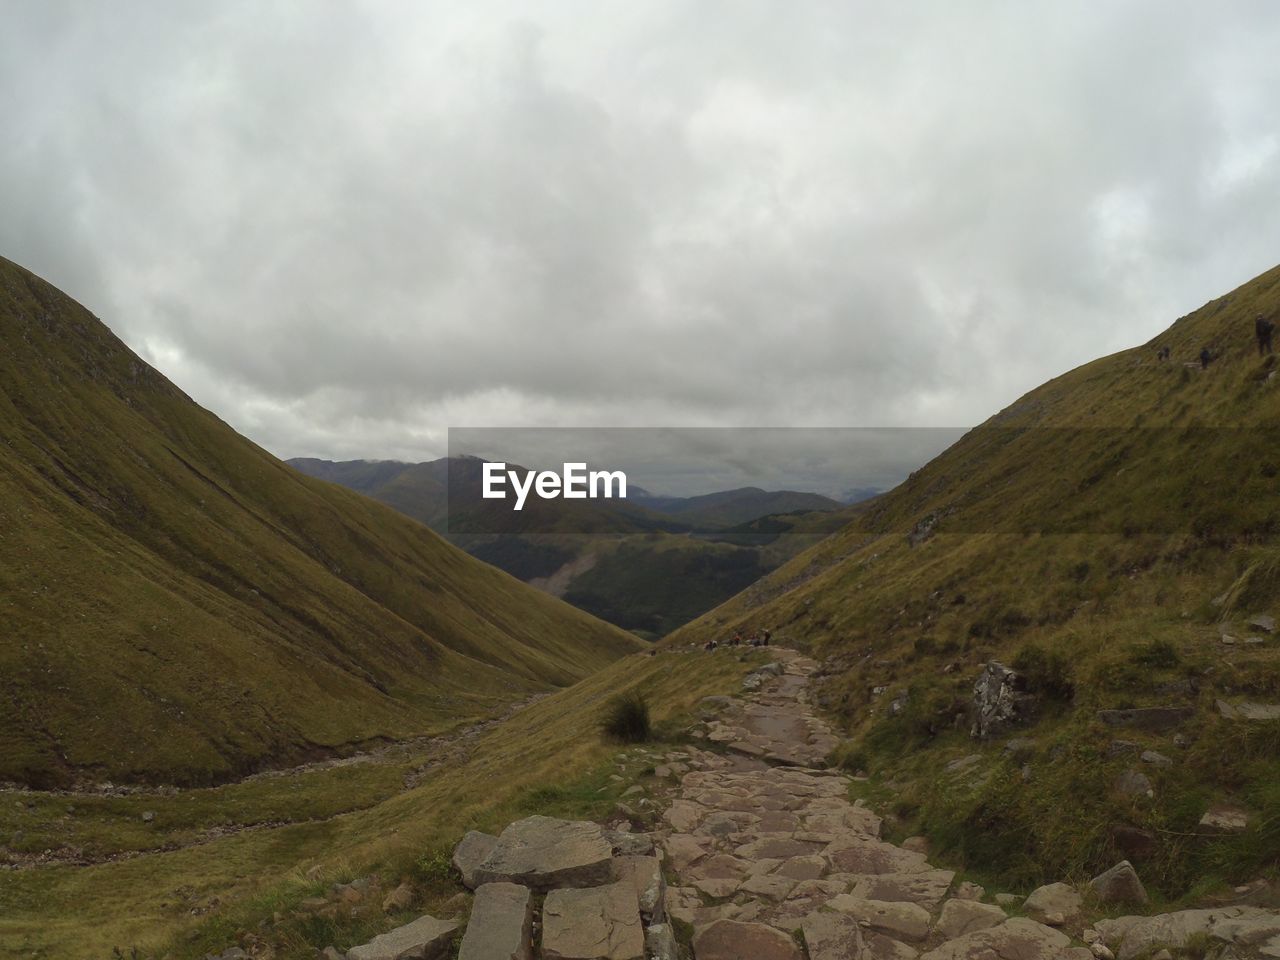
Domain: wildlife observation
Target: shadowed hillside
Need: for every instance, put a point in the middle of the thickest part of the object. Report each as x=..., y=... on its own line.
x=1113, y=536
x=180, y=605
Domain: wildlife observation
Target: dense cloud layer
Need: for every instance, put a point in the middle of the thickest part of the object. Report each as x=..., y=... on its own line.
x=345, y=226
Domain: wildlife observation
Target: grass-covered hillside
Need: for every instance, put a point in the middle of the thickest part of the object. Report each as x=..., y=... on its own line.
x=178, y=605
x=1111, y=534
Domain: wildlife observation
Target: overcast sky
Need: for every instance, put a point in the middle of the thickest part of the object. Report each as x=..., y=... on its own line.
x=347, y=226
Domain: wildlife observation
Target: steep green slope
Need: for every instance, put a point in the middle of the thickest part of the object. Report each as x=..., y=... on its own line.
x=179, y=605
x=1103, y=534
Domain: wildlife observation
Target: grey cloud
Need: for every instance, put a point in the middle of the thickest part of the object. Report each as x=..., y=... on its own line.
x=345, y=227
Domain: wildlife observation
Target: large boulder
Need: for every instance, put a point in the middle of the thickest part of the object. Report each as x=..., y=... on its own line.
x=470, y=853
x=593, y=923
x=928, y=887
x=1000, y=700
x=732, y=940
x=543, y=853
x=1120, y=884
x=501, y=924
x=425, y=939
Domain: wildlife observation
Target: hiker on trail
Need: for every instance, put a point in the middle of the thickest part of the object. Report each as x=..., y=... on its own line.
x=737, y=639
x=1205, y=358
x=764, y=638
x=1163, y=353
x=1262, y=330
x=710, y=645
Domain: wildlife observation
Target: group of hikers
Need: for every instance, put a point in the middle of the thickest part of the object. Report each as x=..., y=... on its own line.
x=759, y=638
x=1263, y=329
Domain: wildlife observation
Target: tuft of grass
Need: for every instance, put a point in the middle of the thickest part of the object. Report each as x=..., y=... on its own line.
x=1047, y=672
x=626, y=719
x=1156, y=653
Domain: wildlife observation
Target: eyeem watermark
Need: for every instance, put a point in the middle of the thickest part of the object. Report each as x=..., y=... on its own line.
x=573, y=483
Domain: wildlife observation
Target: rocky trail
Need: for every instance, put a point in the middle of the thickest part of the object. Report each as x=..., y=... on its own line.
x=758, y=854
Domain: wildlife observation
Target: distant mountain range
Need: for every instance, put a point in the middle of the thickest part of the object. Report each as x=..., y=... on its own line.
x=647, y=563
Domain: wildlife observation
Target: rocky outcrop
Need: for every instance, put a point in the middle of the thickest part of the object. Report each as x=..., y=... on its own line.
x=1247, y=928
x=1000, y=701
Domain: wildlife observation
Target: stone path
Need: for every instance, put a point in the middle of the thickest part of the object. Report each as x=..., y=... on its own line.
x=760, y=855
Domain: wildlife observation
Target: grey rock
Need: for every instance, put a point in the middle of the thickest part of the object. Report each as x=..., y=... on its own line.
x=1016, y=939
x=959, y=917
x=660, y=942
x=470, y=853
x=425, y=939
x=1225, y=818
x=900, y=920
x=1020, y=747
x=645, y=876
x=1248, y=711
x=1120, y=884
x=1000, y=700
x=1156, y=759
x=1134, y=783
x=148, y=816
x=1264, y=622
x=1053, y=898
x=629, y=844
x=1147, y=718
x=501, y=924
x=543, y=853
x=1117, y=748
x=592, y=923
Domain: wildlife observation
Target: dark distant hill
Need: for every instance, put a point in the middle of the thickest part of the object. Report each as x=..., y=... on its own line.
x=638, y=563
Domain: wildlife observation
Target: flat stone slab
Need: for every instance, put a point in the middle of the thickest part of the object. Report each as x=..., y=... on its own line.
x=959, y=917
x=926, y=888
x=1249, y=711
x=1147, y=718
x=543, y=853
x=425, y=939
x=593, y=923
x=901, y=920
x=733, y=940
x=869, y=856
x=501, y=924
x=1016, y=939
x=1225, y=818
